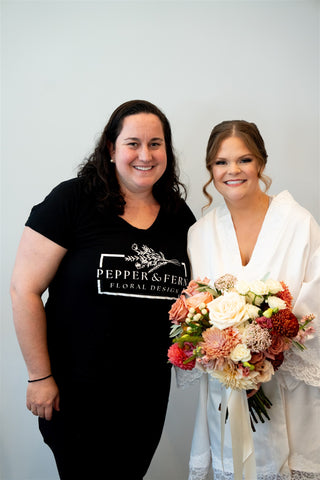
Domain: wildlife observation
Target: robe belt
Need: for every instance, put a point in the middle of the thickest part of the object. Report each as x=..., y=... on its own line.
x=236, y=404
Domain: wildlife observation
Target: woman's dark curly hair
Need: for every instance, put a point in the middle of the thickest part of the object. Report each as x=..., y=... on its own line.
x=99, y=173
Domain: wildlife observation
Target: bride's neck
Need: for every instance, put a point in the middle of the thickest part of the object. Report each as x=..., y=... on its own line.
x=245, y=208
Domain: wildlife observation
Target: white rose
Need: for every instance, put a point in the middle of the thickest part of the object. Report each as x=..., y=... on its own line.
x=240, y=353
x=259, y=288
x=227, y=310
x=273, y=286
x=276, y=302
x=242, y=287
x=252, y=311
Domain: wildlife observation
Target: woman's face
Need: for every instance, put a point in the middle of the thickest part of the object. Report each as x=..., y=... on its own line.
x=235, y=171
x=139, y=153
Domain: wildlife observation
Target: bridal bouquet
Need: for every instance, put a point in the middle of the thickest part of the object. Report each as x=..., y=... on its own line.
x=237, y=332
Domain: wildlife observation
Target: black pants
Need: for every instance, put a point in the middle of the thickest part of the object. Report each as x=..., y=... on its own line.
x=103, y=433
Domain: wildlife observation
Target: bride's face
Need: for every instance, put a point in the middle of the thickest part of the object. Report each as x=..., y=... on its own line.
x=235, y=171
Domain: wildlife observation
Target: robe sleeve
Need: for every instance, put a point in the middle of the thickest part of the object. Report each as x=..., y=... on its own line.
x=305, y=365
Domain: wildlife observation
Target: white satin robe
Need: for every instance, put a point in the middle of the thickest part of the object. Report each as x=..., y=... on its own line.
x=287, y=249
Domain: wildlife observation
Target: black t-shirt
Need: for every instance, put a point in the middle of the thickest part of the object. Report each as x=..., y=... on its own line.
x=109, y=300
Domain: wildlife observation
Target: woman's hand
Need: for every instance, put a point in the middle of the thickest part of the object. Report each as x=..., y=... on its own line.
x=43, y=398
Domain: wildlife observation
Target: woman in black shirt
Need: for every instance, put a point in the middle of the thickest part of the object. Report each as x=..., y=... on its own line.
x=110, y=246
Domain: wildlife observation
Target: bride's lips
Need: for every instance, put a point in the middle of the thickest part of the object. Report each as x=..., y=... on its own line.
x=234, y=182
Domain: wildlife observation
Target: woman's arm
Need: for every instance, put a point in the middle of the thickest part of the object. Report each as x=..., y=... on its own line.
x=37, y=261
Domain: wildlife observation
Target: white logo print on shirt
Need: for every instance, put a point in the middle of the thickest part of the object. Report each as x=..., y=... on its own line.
x=138, y=274
x=146, y=257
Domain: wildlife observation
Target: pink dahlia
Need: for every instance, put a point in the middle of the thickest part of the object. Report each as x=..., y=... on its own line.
x=219, y=343
x=178, y=356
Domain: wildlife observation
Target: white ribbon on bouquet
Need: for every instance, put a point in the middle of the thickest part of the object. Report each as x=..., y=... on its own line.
x=244, y=462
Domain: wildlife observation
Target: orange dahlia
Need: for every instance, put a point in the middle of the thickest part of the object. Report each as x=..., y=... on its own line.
x=285, y=295
x=285, y=323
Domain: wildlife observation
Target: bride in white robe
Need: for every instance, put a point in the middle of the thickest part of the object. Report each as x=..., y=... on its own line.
x=253, y=236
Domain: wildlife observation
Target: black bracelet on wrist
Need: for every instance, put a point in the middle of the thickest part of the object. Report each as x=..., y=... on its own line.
x=39, y=379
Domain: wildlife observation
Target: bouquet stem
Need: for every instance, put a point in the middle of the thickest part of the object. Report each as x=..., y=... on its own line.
x=258, y=405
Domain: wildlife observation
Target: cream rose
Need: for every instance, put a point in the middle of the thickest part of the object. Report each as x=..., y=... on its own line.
x=242, y=287
x=259, y=288
x=276, y=302
x=227, y=310
x=240, y=353
x=273, y=286
x=252, y=311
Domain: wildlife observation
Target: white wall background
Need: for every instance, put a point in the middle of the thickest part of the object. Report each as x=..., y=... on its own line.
x=67, y=64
